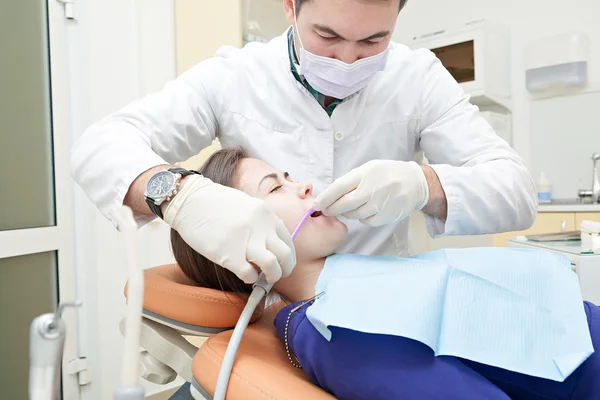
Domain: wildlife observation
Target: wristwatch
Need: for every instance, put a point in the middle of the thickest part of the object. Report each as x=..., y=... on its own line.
x=163, y=186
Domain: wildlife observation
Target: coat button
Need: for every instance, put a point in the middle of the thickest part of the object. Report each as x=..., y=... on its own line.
x=339, y=136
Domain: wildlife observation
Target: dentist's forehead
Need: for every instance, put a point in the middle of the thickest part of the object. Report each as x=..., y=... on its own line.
x=354, y=20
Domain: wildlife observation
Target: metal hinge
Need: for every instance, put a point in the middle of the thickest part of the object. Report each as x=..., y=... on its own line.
x=69, y=8
x=79, y=367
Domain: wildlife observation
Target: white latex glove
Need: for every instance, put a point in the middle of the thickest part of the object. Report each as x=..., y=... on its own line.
x=377, y=193
x=231, y=229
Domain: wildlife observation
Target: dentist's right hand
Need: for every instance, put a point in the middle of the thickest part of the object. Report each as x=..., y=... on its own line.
x=232, y=229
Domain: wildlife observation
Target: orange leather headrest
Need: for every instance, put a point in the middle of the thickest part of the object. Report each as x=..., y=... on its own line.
x=170, y=293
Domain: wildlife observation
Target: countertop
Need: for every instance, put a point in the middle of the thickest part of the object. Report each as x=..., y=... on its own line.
x=569, y=208
x=568, y=205
x=570, y=247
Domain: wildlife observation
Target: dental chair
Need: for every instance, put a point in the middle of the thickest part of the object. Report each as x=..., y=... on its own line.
x=174, y=308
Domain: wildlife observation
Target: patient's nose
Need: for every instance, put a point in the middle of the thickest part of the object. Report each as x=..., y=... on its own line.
x=304, y=189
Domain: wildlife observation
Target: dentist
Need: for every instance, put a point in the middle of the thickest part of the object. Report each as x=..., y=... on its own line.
x=332, y=101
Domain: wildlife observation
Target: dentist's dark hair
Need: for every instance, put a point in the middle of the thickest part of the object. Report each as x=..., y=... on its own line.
x=222, y=168
x=299, y=4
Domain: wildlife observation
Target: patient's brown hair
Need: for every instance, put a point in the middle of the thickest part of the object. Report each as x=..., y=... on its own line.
x=221, y=168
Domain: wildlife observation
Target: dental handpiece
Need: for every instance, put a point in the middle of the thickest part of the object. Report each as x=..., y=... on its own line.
x=259, y=290
x=46, y=344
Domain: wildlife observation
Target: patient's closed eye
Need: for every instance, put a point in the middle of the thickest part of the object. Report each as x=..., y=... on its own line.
x=276, y=177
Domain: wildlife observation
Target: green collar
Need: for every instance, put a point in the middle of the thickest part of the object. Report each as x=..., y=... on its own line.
x=318, y=96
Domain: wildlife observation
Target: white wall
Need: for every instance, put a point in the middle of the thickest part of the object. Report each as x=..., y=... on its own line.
x=119, y=51
x=270, y=17
x=554, y=135
x=568, y=129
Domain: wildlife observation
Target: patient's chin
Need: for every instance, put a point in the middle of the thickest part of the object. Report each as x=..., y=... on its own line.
x=339, y=232
x=320, y=238
x=329, y=245
x=315, y=248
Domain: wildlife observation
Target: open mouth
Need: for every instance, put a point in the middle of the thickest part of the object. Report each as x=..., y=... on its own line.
x=316, y=214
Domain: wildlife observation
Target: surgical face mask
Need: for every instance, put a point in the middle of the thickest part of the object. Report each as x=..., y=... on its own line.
x=336, y=78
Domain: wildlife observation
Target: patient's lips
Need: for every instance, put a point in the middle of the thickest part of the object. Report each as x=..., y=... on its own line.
x=316, y=214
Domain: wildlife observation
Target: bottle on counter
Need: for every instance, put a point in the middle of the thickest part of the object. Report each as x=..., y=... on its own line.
x=544, y=189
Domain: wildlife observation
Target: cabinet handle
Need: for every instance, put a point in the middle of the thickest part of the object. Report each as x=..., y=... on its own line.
x=563, y=225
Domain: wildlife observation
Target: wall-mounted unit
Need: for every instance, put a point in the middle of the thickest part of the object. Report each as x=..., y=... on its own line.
x=477, y=55
x=557, y=64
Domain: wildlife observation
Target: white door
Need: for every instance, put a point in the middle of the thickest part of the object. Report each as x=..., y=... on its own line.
x=36, y=211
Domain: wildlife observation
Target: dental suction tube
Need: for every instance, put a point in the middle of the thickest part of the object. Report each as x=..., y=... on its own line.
x=259, y=290
x=130, y=388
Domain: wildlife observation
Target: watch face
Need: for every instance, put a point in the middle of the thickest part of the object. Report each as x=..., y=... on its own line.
x=160, y=184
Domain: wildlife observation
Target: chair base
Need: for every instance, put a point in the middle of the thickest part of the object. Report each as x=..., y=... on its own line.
x=165, y=345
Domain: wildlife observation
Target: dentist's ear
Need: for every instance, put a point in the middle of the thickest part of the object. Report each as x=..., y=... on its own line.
x=288, y=8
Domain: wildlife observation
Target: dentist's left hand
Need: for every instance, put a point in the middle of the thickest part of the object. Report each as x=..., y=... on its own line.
x=231, y=229
x=377, y=193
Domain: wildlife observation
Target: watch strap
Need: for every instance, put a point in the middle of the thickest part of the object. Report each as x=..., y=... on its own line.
x=154, y=208
x=183, y=172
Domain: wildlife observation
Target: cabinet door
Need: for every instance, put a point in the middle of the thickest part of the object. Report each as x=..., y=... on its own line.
x=548, y=222
x=590, y=216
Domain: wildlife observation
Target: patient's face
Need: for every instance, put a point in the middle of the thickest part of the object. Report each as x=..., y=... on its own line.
x=319, y=236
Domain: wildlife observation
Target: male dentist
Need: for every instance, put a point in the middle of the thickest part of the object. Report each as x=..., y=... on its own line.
x=332, y=101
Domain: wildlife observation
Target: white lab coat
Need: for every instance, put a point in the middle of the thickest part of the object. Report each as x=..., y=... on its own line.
x=250, y=97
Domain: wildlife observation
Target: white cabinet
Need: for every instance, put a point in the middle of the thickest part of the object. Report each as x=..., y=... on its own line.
x=586, y=266
x=478, y=57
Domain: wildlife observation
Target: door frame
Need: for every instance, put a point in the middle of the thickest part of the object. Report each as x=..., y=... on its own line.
x=58, y=238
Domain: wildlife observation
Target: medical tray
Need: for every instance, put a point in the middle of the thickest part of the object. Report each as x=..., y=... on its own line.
x=554, y=237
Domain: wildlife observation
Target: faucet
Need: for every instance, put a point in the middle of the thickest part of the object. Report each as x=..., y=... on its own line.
x=595, y=192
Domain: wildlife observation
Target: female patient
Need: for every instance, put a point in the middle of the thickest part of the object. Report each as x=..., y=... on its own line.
x=356, y=365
